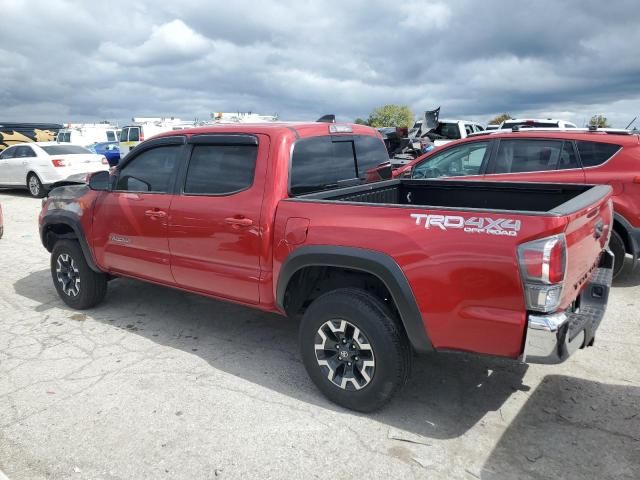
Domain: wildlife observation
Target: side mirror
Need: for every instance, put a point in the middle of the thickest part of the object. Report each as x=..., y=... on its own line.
x=99, y=181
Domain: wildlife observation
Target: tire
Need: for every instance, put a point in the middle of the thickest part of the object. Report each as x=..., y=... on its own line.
x=616, y=245
x=1, y=231
x=78, y=285
x=35, y=187
x=358, y=385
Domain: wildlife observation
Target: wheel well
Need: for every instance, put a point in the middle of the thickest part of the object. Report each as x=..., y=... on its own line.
x=55, y=232
x=620, y=230
x=309, y=283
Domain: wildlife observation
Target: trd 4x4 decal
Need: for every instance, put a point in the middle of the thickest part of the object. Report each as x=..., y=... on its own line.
x=488, y=225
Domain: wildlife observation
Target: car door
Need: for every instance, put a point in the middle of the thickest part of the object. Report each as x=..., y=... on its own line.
x=124, y=139
x=214, y=228
x=7, y=166
x=535, y=160
x=24, y=162
x=130, y=220
x=466, y=160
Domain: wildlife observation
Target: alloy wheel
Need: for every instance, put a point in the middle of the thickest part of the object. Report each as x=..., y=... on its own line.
x=34, y=185
x=68, y=275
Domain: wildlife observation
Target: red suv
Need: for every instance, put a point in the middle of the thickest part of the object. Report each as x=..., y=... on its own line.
x=569, y=156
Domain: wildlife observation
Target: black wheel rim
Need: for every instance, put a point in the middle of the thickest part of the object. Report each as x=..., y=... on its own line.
x=68, y=275
x=345, y=355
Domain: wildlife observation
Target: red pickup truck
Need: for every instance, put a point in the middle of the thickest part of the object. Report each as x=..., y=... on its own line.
x=278, y=217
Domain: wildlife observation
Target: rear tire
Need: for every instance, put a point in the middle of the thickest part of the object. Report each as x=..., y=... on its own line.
x=78, y=285
x=35, y=187
x=354, y=350
x=616, y=245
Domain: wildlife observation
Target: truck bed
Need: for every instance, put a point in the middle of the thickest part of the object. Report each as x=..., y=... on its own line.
x=529, y=198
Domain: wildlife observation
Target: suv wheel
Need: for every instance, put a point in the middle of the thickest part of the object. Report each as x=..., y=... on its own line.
x=77, y=285
x=354, y=350
x=36, y=189
x=616, y=245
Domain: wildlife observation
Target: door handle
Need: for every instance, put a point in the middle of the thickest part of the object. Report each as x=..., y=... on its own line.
x=155, y=213
x=239, y=221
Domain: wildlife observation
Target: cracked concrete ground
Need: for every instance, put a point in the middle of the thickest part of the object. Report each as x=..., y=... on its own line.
x=155, y=383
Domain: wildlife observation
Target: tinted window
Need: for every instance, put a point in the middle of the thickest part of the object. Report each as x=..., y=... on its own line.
x=449, y=131
x=594, y=153
x=65, y=149
x=67, y=137
x=531, y=124
x=123, y=134
x=457, y=161
x=111, y=136
x=321, y=163
x=220, y=169
x=8, y=153
x=567, y=157
x=526, y=156
x=151, y=171
x=134, y=134
x=24, y=152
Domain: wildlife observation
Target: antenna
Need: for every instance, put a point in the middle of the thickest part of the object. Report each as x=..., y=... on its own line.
x=631, y=123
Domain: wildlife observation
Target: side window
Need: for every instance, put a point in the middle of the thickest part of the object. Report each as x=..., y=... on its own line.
x=521, y=156
x=370, y=152
x=8, y=153
x=567, y=157
x=454, y=162
x=134, y=134
x=124, y=135
x=111, y=136
x=220, y=169
x=468, y=128
x=151, y=171
x=24, y=152
x=594, y=153
x=67, y=137
x=318, y=163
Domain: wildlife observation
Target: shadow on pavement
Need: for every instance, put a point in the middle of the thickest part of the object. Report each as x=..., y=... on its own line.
x=582, y=428
x=17, y=192
x=628, y=277
x=446, y=396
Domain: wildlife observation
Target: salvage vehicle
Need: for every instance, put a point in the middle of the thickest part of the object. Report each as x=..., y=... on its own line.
x=1, y=222
x=591, y=156
x=86, y=134
x=37, y=165
x=277, y=217
x=12, y=133
x=535, y=123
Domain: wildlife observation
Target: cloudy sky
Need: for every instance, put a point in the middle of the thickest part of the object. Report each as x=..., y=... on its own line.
x=87, y=61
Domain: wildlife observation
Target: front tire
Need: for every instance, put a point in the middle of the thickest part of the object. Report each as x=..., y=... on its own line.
x=616, y=245
x=353, y=349
x=35, y=187
x=77, y=285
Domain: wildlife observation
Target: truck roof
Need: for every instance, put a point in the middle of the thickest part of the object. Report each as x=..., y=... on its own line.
x=301, y=129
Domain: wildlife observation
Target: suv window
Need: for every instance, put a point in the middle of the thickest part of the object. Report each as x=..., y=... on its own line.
x=24, y=152
x=568, y=157
x=220, y=169
x=321, y=163
x=111, y=136
x=594, y=153
x=454, y=162
x=123, y=135
x=151, y=171
x=8, y=153
x=526, y=156
x=449, y=131
x=134, y=134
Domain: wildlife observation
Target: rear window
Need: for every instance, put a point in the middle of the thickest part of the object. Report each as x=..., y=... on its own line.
x=134, y=134
x=322, y=163
x=594, y=153
x=111, y=136
x=65, y=149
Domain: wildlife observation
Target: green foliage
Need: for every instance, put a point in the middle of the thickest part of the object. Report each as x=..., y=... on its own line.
x=360, y=121
x=392, y=116
x=599, y=121
x=499, y=119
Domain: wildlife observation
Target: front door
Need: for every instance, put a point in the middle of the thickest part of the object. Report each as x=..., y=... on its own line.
x=130, y=222
x=214, y=229
x=9, y=167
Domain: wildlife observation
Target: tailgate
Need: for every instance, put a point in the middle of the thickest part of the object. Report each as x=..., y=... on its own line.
x=587, y=234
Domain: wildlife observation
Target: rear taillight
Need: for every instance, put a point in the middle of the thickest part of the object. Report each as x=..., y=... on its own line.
x=59, y=162
x=104, y=161
x=542, y=266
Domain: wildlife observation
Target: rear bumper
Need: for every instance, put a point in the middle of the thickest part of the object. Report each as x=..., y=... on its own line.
x=554, y=338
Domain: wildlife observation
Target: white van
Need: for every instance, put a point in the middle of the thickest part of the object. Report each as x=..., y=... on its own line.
x=144, y=128
x=86, y=135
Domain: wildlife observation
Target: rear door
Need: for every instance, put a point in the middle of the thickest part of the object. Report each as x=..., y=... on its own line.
x=535, y=160
x=130, y=222
x=215, y=230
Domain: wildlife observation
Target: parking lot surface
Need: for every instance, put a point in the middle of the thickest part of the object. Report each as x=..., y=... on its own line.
x=156, y=383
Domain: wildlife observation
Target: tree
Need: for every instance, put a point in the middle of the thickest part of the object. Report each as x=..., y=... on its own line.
x=599, y=121
x=499, y=119
x=360, y=121
x=391, y=116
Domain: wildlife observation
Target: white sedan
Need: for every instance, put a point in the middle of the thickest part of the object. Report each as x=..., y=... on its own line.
x=37, y=165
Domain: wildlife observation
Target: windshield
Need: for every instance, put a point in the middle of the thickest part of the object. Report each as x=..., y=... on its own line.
x=65, y=149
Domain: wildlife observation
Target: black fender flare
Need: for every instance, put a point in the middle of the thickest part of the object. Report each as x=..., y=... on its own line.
x=375, y=263
x=633, y=235
x=71, y=220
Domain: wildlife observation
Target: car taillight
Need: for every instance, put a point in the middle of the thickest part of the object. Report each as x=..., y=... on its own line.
x=141, y=138
x=105, y=161
x=59, y=162
x=542, y=266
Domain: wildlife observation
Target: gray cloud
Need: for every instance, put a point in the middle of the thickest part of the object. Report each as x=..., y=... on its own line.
x=86, y=61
